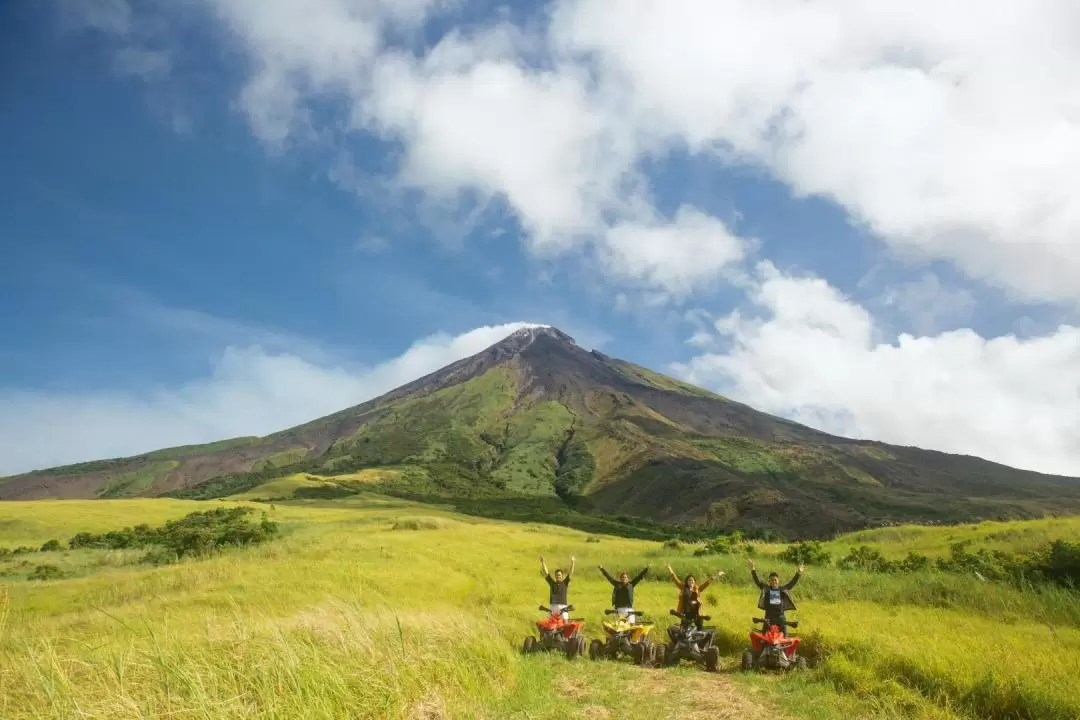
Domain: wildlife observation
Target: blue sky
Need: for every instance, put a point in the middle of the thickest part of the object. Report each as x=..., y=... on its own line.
x=229, y=218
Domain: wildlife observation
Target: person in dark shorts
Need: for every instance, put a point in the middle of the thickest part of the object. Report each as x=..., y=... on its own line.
x=775, y=599
x=558, y=586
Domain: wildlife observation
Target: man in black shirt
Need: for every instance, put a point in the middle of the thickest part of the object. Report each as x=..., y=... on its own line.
x=622, y=591
x=559, y=585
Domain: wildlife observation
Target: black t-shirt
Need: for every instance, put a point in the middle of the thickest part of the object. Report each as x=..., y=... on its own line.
x=557, y=596
x=622, y=595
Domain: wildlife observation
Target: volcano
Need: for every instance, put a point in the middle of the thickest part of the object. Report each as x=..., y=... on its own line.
x=538, y=416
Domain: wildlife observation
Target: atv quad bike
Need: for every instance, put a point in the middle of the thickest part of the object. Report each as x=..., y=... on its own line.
x=773, y=650
x=557, y=634
x=688, y=642
x=625, y=638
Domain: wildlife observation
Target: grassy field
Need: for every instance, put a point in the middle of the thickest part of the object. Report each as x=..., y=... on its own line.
x=369, y=608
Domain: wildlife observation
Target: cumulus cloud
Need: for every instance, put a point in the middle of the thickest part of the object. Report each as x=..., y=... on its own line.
x=818, y=358
x=682, y=257
x=249, y=392
x=929, y=305
x=950, y=130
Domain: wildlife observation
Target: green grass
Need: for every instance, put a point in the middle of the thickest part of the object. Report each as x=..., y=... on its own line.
x=133, y=483
x=375, y=607
x=1017, y=536
x=281, y=459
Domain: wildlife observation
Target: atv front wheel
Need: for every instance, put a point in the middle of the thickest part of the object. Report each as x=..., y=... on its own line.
x=800, y=663
x=712, y=659
x=596, y=648
x=747, y=661
x=665, y=656
x=575, y=647
x=529, y=645
x=644, y=653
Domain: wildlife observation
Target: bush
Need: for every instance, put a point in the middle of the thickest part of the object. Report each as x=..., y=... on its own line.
x=672, y=544
x=51, y=546
x=592, y=539
x=419, y=523
x=732, y=544
x=198, y=533
x=807, y=553
x=46, y=572
x=867, y=559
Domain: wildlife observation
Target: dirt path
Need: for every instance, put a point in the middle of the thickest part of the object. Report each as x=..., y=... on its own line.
x=659, y=696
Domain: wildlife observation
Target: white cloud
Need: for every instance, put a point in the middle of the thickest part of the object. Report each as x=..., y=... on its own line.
x=682, y=257
x=249, y=392
x=473, y=117
x=929, y=305
x=951, y=129
x=816, y=358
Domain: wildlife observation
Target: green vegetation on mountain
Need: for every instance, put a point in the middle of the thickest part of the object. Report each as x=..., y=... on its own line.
x=535, y=427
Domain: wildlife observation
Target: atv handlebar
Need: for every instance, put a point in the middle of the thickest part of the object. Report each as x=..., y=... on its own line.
x=790, y=623
x=544, y=608
x=613, y=611
x=682, y=616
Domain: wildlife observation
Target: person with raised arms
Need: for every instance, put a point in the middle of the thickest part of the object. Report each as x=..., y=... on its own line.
x=558, y=587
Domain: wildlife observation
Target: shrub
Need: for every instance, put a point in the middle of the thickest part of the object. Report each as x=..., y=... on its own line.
x=198, y=533
x=419, y=523
x=867, y=559
x=51, y=546
x=672, y=544
x=807, y=553
x=592, y=539
x=46, y=572
x=732, y=544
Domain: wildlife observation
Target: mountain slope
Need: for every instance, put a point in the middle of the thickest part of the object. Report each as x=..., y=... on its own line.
x=536, y=415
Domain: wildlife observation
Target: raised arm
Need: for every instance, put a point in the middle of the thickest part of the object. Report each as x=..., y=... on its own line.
x=719, y=574
x=798, y=574
x=637, y=578
x=753, y=574
x=608, y=576
x=543, y=567
x=674, y=577
x=573, y=561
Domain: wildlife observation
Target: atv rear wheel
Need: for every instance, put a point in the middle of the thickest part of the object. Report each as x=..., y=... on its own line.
x=529, y=644
x=596, y=649
x=637, y=654
x=712, y=659
x=747, y=661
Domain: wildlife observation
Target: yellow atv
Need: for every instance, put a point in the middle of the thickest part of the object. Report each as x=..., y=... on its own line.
x=627, y=634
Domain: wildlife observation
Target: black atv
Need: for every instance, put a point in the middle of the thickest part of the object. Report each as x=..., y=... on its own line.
x=691, y=641
x=625, y=638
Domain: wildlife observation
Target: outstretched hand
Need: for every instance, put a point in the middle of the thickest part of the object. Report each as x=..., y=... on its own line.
x=719, y=574
x=802, y=568
x=750, y=562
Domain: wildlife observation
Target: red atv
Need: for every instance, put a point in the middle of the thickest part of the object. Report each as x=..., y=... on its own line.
x=557, y=634
x=773, y=650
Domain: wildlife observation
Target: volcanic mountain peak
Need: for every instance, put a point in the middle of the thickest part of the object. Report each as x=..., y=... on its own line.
x=535, y=415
